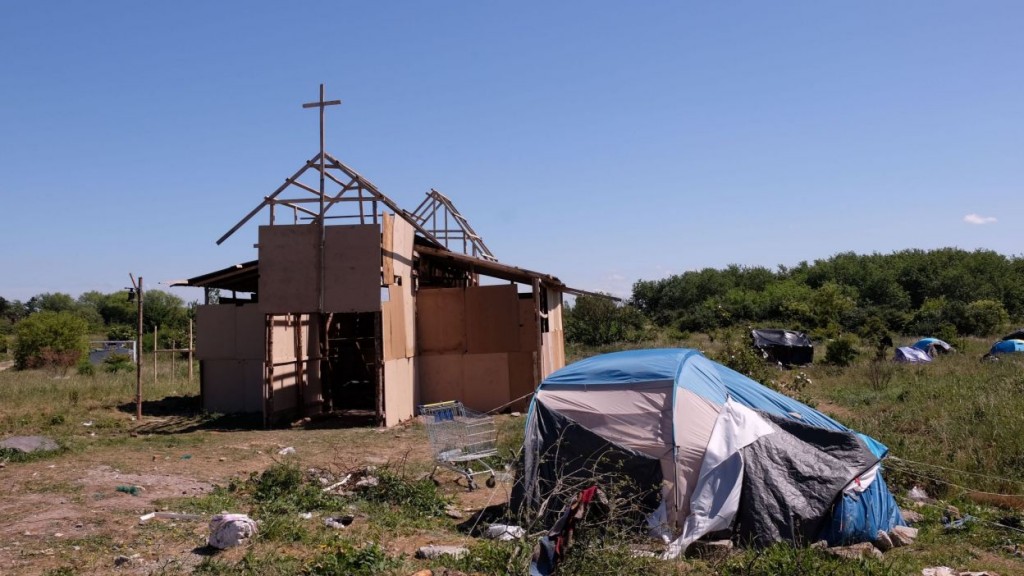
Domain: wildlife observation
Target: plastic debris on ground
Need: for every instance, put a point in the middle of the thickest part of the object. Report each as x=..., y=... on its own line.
x=504, y=532
x=133, y=490
x=434, y=551
x=338, y=522
x=169, y=516
x=286, y=451
x=230, y=530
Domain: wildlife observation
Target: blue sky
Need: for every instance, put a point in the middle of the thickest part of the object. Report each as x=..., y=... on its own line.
x=602, y=142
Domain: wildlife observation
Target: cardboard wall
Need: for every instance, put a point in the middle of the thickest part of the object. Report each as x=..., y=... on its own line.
x=229, y=346
x=232, y=386
x=477, y=345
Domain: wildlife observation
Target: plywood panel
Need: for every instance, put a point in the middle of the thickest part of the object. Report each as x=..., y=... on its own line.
x=215, y=332
x=485, y=384
x=492, y=319
x=352, y=268
x=250, y=332
x=440, y=320
x=555, y=327
x=521, y=380
x=289, y=260
x=393, y=321
x=398, y=391
x=232, y=386
x=440, y=377
x=387, y=244
x=284, y=338
x=527, y=325
x=402, y=246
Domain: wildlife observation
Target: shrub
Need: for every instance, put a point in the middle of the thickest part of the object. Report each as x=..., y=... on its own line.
x=115, y=363
x=58, y=362
x=61, y=332
x=841, y=352
x=85, y=367
x=120, y=332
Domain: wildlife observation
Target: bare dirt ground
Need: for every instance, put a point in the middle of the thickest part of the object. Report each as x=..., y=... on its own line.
x=67, y=510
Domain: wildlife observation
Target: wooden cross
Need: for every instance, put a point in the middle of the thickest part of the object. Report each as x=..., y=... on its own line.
x=321, y=104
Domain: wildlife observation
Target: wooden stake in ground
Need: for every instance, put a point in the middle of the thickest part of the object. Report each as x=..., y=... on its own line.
x=138, y=350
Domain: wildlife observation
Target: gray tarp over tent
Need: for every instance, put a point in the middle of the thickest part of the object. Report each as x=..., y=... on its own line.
x=786, y=347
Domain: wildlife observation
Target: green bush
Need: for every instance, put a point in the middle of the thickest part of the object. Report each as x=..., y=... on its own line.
x=115, y=363
x=61, y=333
x=85, y=367
x=841, y=352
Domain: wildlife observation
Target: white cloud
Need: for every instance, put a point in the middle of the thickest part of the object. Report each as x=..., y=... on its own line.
x=979, y=219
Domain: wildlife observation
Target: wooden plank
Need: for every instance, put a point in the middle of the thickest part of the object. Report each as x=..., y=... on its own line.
x=485, y=381
x=440, y=377
x=388, y=241
x=527, y=325
x=520, y=377
x=399, y=384
x=352, y=268
x=440, y=321
x=288, y=268
x=216, y=332
x=492, y=319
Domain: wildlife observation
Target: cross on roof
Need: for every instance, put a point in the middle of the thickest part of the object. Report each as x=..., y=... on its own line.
x=321, y=104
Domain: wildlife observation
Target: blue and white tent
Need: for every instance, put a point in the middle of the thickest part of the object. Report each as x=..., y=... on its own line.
x=933, y=346
x=724, y=452
x=1007, y=347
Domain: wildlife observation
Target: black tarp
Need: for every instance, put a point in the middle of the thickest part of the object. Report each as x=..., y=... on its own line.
x=570, y=457
x=1017, y=334
x=792, y=478
x=786, y=347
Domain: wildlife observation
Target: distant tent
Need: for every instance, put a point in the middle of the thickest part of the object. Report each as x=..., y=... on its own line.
x=784, y=346
x=720, y=451
x=1017, y=334
x=911, y=354
x=1007, y=347
x=933, y=346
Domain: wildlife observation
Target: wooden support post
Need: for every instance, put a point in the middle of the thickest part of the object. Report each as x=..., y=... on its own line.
x=538, y=362
x=138, y=353
x=191, y=350
x=268, y=370
x=156, y=340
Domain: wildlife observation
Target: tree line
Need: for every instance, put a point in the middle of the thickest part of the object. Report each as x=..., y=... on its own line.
x=925, y=292
x=53, y=327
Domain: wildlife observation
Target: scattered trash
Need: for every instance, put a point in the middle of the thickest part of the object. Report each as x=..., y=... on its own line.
x=169, y=516
x=911, y=517
x=29, y=444
x=434, y=551
x=133, y=490
x=122, y=560
x=338, y=522
x=453, y=512
x=882, y=541
x=186, y=456
x=223, y=459
x=949, y=523
x=917, y=494
x=306, y=515
x=89, y=423
x=286, y=451
x=903, y=535
x=710, y=549
x=337, y=484
x=504, y=532
x=367, y=482
x=230, y=530
x=856, y=551
x=515, y=414
x=938, y=571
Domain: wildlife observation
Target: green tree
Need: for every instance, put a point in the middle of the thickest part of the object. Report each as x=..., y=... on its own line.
x=595, y=321
x=47, y=333
x=984, y=317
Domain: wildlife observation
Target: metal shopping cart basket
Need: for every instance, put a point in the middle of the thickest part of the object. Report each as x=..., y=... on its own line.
x=458, y=437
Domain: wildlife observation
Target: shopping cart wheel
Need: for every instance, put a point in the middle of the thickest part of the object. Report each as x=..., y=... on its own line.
x=470, y=480
x=472, y=485
x=491, y=482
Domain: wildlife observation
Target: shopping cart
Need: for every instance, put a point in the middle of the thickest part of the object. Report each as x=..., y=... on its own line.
x=458, y=437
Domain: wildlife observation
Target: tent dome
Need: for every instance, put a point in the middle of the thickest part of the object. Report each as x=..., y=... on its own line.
x=1007, y=347
x=697, y=432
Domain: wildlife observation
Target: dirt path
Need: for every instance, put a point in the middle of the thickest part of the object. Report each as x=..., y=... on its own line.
x=6, y=365
x=67, y=510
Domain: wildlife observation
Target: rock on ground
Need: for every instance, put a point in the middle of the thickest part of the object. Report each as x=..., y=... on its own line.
x=28, y=444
